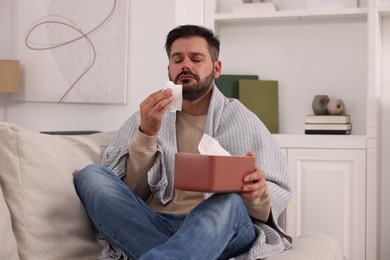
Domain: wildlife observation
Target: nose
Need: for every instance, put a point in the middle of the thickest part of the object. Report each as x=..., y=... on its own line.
x=186, y=64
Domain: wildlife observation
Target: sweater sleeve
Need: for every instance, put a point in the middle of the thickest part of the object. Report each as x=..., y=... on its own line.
x=142, y=154
x=260, y=208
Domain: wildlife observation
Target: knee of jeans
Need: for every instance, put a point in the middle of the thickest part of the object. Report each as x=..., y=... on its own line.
x=87, y=174
x=233, y=201
x=236, y=200
x=89, y=183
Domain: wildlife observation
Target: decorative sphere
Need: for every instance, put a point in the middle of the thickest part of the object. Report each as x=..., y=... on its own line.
x=336, y=107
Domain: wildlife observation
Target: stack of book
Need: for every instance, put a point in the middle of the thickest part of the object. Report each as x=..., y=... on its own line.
x=328, y=124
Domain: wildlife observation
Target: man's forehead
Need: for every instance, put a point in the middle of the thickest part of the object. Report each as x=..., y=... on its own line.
x=190, y=45
x=195, y=42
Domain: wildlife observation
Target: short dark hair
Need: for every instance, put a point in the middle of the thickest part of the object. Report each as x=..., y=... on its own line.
x=185, y=31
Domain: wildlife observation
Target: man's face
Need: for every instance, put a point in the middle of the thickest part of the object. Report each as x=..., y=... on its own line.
x=191, y=65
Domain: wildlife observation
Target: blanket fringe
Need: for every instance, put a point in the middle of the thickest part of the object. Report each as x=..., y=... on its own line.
x=109, y=252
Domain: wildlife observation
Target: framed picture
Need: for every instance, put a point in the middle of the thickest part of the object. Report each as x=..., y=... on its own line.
x=72, y=51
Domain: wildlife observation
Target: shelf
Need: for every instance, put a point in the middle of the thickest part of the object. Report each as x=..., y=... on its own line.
x=384, y=10
x=321, y=141
x=291, y=15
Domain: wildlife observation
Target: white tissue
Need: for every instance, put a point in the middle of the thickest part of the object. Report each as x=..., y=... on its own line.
x=177, y=96
x=210, y=146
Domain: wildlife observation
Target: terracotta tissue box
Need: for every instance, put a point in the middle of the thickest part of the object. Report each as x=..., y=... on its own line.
x=211, y=173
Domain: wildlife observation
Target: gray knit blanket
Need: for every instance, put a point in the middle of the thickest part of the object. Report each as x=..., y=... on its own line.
x=238, y=131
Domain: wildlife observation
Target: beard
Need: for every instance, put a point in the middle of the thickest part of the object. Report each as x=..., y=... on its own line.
x=194, y=90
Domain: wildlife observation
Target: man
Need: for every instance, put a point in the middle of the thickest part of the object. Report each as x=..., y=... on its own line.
x=131, y=197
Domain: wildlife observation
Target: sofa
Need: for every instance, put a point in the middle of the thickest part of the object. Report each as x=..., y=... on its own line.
x=41, y=216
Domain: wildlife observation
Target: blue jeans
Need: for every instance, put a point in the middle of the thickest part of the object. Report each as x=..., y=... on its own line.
x=218, y=228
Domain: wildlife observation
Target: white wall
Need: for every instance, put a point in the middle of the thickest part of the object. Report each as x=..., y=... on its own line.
x=150, y=21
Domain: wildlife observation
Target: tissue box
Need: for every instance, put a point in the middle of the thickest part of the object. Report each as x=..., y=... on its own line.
x=211, y=173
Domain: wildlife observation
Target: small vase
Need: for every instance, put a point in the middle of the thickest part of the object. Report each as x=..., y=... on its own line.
x=319, y=104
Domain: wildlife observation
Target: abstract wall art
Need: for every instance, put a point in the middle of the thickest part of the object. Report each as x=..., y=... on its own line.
x=71, y=51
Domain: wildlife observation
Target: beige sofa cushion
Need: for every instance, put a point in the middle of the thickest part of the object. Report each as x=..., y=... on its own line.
x=7, y=239
x=312, y=246
x=36, y=177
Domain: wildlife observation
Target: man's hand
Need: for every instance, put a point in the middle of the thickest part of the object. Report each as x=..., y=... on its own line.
x=254, y=183
x=152, y=110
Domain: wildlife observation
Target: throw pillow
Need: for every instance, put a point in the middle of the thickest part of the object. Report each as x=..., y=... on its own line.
x=36, y=176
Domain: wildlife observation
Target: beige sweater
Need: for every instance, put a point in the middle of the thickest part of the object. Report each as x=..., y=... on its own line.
x=142, y=150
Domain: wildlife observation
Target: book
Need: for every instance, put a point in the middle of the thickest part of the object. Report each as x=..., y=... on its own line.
x=327, y=132
x=228, y=83
x=261, y=97
x=328, y=126
x=328, y=119
x=254, y=7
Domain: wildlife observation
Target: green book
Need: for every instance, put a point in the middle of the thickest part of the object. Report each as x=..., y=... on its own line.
x=228, y=84
x=261, y=97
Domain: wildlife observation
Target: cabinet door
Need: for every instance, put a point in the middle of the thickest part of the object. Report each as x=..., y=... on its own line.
x=329, y=196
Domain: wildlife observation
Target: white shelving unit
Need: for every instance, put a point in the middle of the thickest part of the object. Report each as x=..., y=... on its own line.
x=337, y=52
x=292, y=43
x=383, y=44
x=289, y=15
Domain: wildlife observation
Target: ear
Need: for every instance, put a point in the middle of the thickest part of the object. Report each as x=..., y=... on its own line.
x=169, y=75
x=217, y=69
